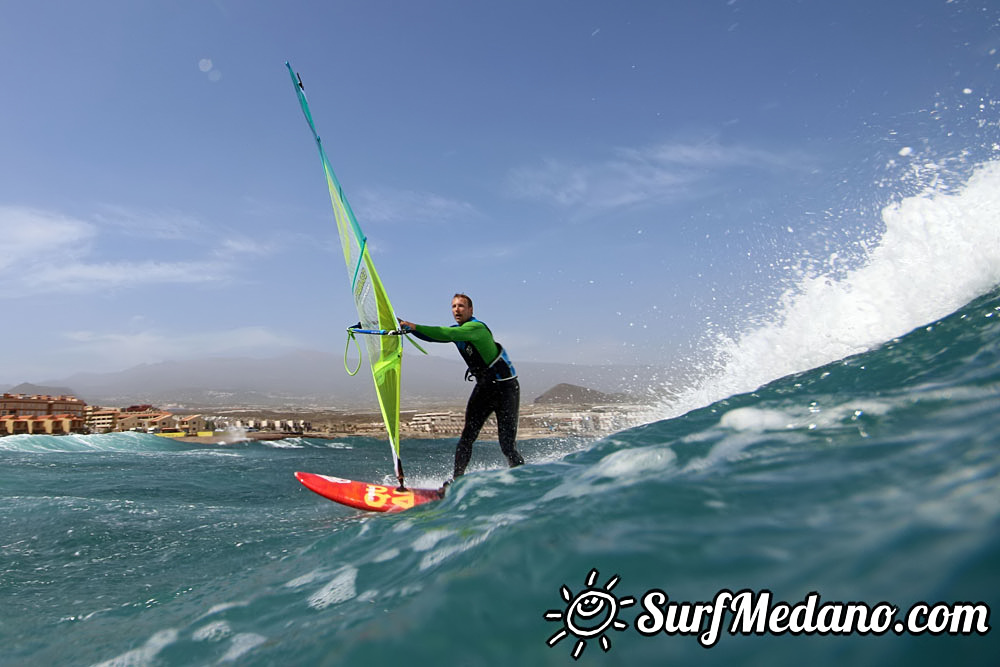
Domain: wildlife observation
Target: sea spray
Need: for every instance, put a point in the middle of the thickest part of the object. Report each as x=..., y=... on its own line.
x=939, y=250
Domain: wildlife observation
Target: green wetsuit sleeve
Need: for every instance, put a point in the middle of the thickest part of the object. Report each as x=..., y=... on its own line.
x=473, y=332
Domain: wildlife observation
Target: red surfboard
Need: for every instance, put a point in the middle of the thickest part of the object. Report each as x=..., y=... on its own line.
x=364, y=495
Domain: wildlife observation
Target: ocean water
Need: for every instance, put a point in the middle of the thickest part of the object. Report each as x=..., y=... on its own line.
x=847, y=446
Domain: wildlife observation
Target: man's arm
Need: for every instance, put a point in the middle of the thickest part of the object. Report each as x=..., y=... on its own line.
x=468, y=331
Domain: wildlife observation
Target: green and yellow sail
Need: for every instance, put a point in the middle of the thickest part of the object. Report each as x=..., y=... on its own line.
x=377, y=319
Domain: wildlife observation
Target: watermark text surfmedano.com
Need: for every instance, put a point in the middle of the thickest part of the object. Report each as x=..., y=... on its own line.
x=753, y=613
x=594, y=611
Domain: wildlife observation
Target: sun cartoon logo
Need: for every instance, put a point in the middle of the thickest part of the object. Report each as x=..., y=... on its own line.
x=588, y=614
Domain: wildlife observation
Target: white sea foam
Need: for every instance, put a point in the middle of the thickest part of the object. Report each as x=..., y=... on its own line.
x=757, y=420
x=939, y=251
x=241, y=644
x=427, y=541
x=145, y=654
x=618, y=469
x=629, y=465
x=306, y=579
x=441, y=554
x=225, y=606
x=289, y=443
x=386, y=555
x=212, y=632
x=339, y=589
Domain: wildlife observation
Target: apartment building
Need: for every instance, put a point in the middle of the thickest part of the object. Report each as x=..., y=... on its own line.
x=35, y=405
x=41, y=425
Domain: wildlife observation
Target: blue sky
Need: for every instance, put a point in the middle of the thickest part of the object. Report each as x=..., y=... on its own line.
x=608, y=180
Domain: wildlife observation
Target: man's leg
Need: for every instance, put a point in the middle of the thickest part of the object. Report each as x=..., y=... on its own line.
x=508, y=408
x=478, y=409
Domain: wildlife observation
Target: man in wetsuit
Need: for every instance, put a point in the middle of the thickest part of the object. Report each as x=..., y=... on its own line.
x=496, y=391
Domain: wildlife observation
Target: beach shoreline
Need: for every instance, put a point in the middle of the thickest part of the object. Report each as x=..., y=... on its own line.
x=447, y=422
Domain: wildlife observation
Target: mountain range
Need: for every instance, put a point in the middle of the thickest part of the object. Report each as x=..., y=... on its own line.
x=318, y=379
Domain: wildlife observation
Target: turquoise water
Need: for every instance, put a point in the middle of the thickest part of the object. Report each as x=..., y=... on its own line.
x=844, y=445
x=873, y=478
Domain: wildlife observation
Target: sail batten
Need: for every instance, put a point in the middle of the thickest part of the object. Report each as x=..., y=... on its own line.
x=375, y=311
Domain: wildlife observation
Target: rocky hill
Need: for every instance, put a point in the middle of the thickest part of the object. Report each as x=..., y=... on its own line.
x=571, y=394
x=36, y=389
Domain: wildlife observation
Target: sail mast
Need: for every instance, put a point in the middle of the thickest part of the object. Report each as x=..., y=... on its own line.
x=374, y=308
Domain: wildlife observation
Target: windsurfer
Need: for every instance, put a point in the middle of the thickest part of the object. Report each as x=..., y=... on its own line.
x=496, y=391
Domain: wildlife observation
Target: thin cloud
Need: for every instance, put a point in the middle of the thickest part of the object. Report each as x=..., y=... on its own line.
x=656, y=174
x=241, y=246
x=151, y=346
x=32, y=237
x=386, y=205
x=715, y=156
x=166, y=225
x=88, y=277
x=177, y=226
x=46, y=252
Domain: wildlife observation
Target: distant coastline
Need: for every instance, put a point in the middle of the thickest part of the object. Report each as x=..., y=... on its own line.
x=536, y=421
x=563, y=410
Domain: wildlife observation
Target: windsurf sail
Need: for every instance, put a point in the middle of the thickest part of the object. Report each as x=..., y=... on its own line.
x=378, y=324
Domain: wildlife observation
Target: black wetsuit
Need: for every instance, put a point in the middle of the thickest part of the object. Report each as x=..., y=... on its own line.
x=496, y=391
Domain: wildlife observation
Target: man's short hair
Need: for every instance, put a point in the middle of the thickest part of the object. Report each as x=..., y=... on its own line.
x=467, y=298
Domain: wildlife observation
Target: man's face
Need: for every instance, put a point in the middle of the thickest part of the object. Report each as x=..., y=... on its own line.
x=461, y=310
